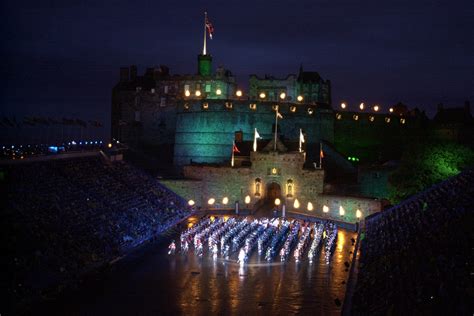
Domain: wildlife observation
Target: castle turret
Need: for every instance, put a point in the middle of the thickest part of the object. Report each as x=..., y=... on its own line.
x=204, y=65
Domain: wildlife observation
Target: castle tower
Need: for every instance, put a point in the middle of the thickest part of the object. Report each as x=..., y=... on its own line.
x=204, y=65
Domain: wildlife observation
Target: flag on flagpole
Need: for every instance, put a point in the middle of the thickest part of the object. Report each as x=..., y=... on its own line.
x=209, y=27
x=301, y=140
x=256, y=135
x=234, y=150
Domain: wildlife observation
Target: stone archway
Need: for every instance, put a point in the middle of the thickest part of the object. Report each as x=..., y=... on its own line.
x=273, y=191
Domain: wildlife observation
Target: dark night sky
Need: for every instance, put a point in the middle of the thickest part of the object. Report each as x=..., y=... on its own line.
x=63, y=57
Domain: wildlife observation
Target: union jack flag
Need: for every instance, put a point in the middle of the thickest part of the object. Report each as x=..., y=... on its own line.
x=209, y=27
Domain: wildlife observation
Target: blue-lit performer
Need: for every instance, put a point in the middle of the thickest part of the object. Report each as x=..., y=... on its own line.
x=172, y=248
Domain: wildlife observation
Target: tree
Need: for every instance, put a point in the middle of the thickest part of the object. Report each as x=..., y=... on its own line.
x=424, y=164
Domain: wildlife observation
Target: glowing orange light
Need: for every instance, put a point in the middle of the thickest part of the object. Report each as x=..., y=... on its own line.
x=341, y=211
x=296, y=204
x=247, y=199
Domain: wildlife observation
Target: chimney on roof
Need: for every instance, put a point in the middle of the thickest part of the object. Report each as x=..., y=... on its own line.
x=467, y=107
x=133, y=72
x=124, y=74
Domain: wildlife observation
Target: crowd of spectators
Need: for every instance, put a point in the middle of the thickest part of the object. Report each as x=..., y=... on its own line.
x=415, y=257
x=62, y=218
x=18, y=152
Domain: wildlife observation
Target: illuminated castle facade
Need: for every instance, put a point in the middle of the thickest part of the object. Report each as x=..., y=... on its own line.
x=195, y=118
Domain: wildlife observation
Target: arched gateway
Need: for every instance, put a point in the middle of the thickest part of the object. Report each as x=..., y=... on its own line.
x=273, y=191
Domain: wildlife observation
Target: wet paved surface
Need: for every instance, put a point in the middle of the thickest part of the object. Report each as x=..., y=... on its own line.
x=152, y=282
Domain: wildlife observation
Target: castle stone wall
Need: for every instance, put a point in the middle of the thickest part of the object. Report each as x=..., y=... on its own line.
x=206, y=134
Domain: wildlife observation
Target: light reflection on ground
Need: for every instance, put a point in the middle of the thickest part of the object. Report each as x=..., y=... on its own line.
x=152, y=281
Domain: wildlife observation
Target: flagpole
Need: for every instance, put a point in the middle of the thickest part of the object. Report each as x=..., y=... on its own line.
x=320, y=156
x=300, y=138
x=204, y=47
x=276, y=130
x=255, y=139
x=232, y=160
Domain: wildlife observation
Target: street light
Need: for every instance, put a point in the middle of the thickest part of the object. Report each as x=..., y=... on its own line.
x=325, y=209
x=310, y=206
x=361, y=106
x=218, y=91
x=376, y=108
x=262, y=95
x=211, y=201
x=277, y=201
x=187, y=93
x=343, y=105
x=225, y=200
x=283, y=95
x=190, y=202
x=358, y=214
x=299, y=98
x=238, y=93
x=390, y=110
x=198, y=93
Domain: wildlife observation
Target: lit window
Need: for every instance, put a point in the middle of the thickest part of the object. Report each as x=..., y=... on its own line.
x=208, y=88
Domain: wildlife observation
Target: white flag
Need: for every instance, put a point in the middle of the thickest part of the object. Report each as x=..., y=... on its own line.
x=301, y=136
x=256, y=135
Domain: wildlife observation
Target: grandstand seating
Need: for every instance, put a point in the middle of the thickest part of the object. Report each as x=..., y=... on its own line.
x=63, y=217
x=415, y=256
